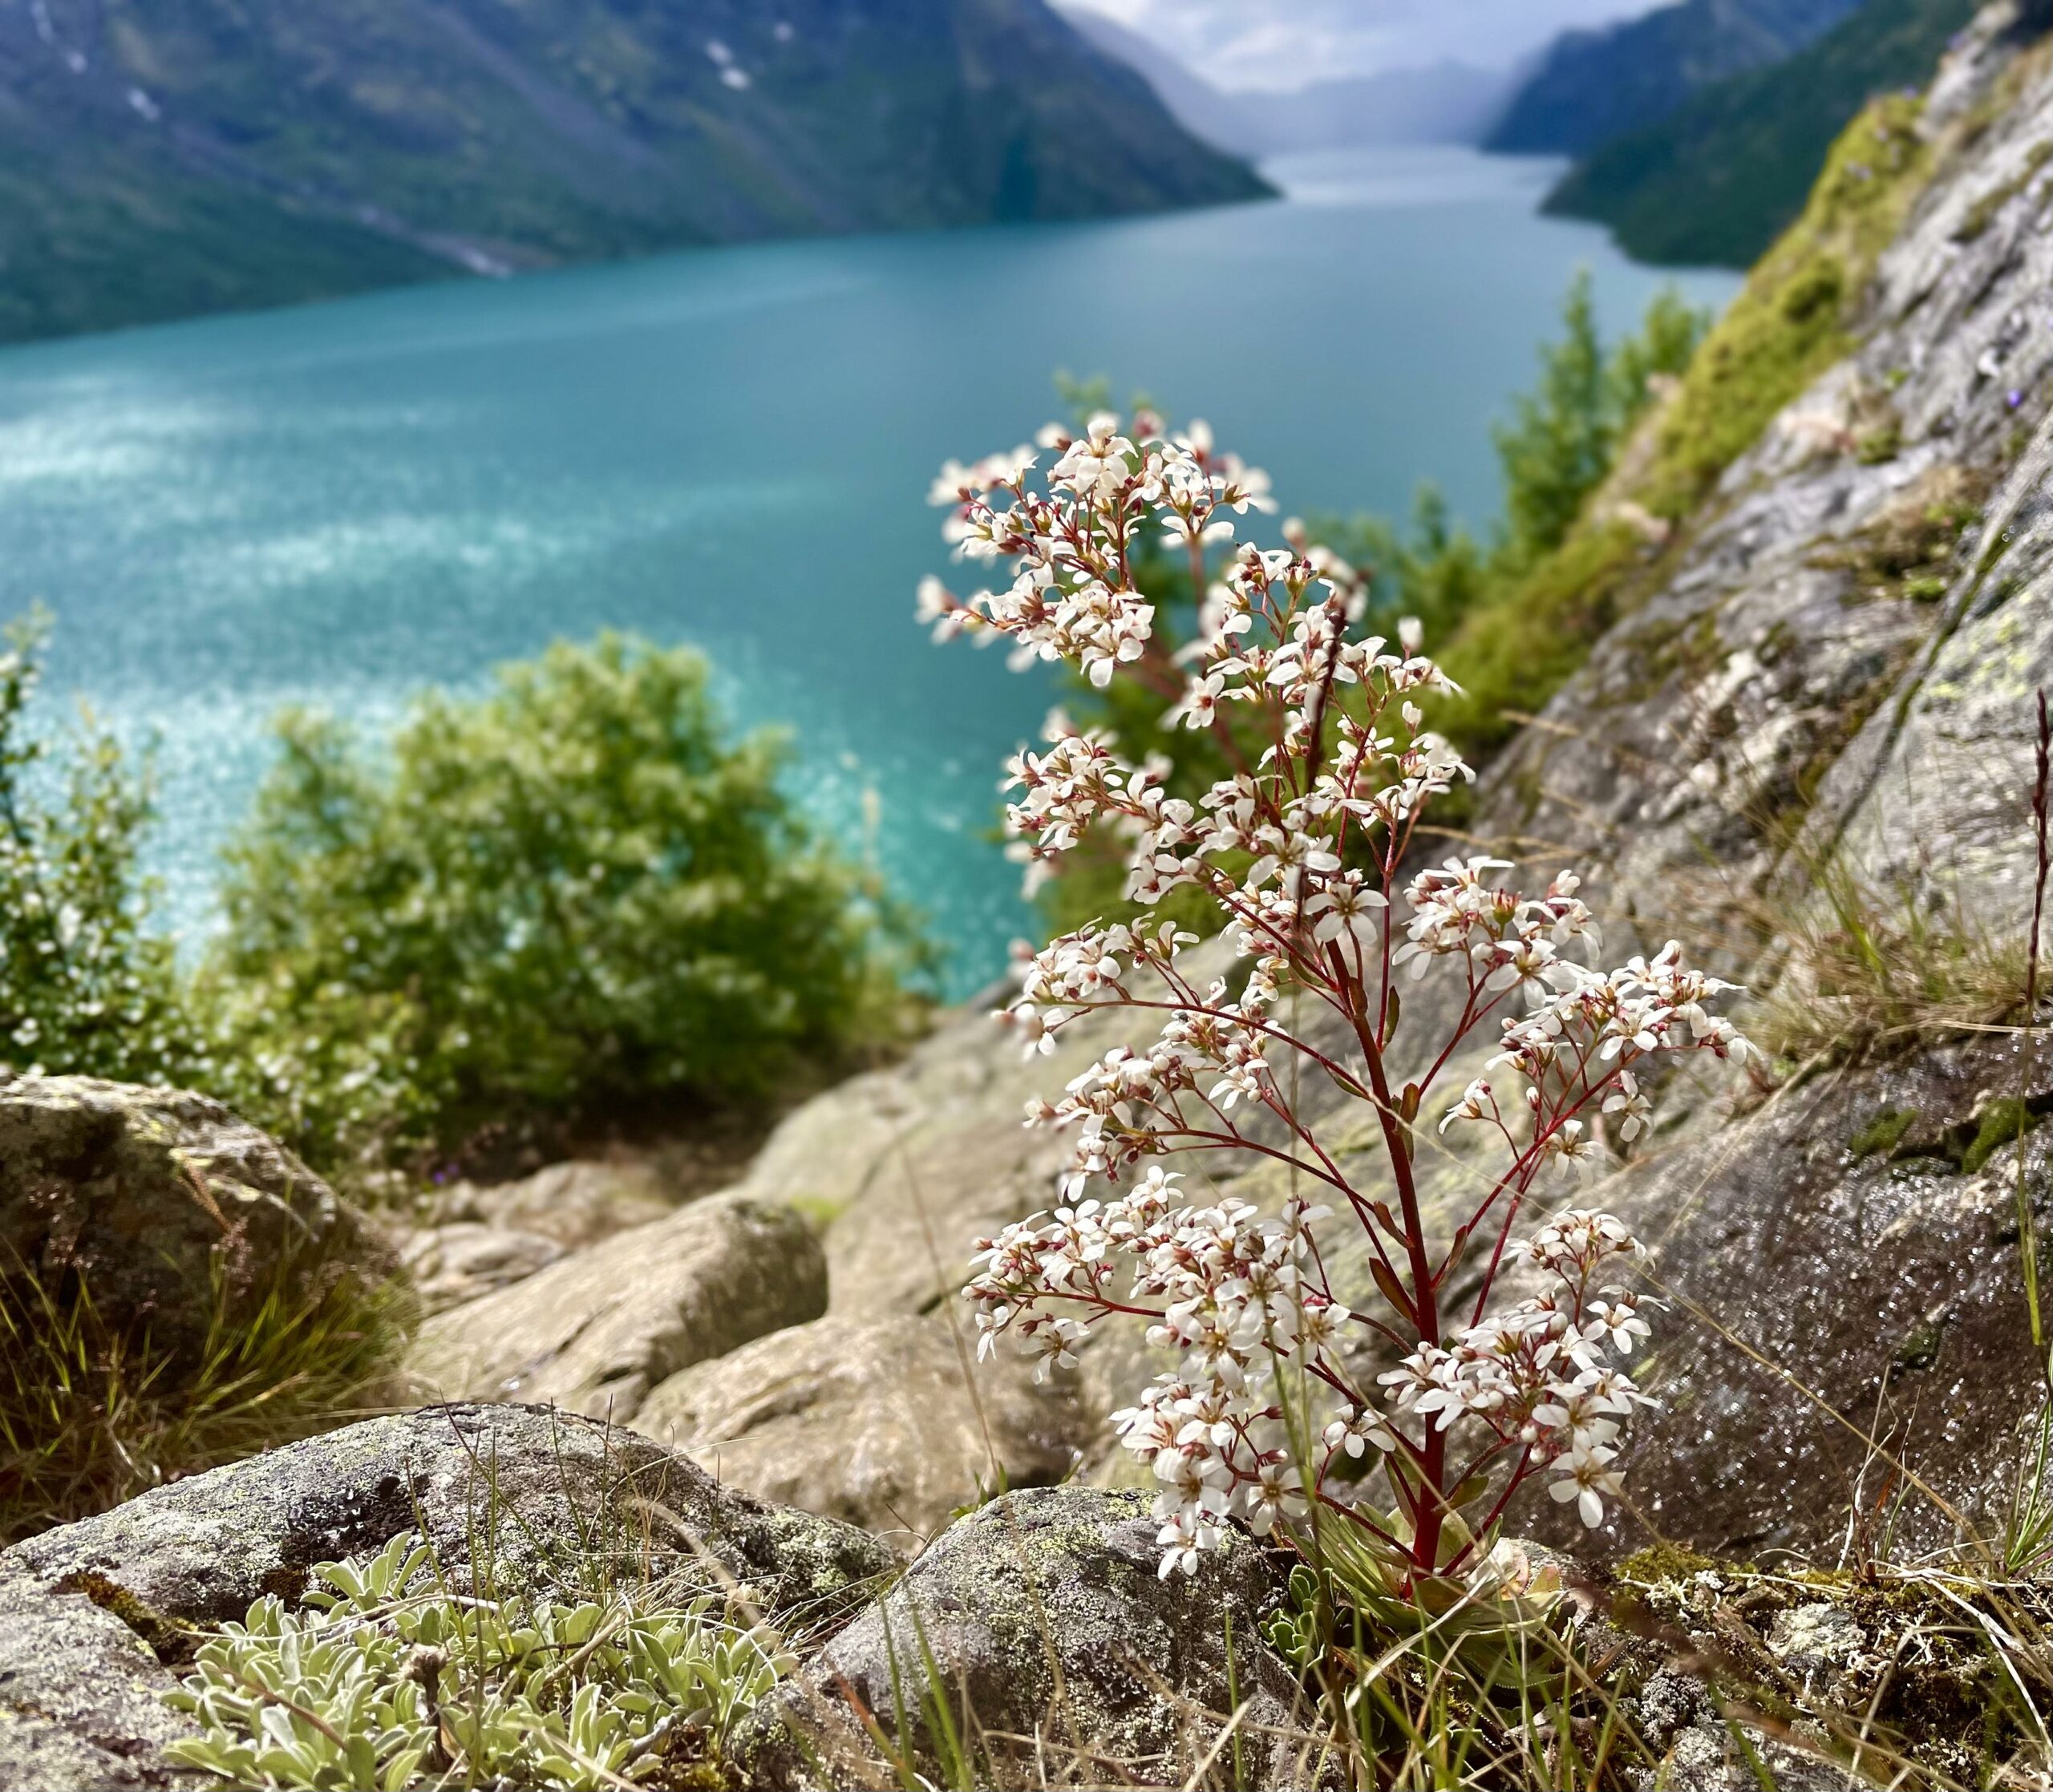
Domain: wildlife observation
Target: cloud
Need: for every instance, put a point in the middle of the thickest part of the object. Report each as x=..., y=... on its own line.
x=1284, y=43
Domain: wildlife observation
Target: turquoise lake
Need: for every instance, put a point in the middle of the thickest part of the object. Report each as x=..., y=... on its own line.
x=337, y=503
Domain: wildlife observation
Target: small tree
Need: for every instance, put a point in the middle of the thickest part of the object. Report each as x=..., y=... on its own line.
x=566, y=899
x=86, y=987
x=1564, y=434
x=1305, y=845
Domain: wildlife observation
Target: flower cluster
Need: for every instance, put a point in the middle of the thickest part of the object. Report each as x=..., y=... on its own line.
x=1272, y=1408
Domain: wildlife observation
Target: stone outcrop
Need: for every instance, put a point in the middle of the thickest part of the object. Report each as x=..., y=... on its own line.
x=171, y=1213
x=467, y=1260
x=930, y=1148
x=1836, y=686
x=1845, y=1319
x=1044, y=1609
x=574, y=1204
x=512, y=1497
x=593, y=1332
x=878, y=1422
x=1846, y=642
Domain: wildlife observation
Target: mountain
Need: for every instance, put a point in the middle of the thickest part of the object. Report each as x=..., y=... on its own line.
x=1206, y=111
x=1593, y=86
x=1718, y=179
x=1447, y=102
x=163, y=157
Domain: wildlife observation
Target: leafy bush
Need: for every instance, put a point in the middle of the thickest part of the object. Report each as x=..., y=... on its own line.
x=386, y=1679
x=561, y=900
x=85, y=986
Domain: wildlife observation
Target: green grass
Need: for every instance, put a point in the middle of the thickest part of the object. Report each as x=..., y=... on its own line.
x=1874, y=973
x=93, y=1413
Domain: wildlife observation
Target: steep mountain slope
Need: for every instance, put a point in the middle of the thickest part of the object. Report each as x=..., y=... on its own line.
x=1220, y=119
x=1593, y=86
x=162, y=157
x=1445, y=102
x=1718, y=177
x=1828, y=694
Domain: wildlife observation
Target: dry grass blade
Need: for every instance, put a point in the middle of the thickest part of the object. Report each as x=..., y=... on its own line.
x=92, y=1412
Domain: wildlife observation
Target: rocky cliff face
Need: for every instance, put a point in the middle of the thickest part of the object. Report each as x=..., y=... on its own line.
x=1836, y=686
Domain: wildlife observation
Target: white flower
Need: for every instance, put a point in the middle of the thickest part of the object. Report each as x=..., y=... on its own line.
x=1295, y=846
x=1277, y=1493
x=1585, y=1480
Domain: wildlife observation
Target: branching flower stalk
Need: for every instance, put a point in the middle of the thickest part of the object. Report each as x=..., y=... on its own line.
x=1307, y=849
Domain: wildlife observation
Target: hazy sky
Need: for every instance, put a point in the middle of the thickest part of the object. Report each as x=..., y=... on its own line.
x=1281, y=43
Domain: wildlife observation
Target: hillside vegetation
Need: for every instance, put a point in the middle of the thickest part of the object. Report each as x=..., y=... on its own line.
x=161, y=159
x=1593, y=86
x=1716, y=179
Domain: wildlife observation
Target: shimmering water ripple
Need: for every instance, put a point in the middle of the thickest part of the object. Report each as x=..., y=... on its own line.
x=335, y=504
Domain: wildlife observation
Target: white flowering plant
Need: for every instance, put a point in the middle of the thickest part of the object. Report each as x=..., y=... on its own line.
x=1310, y=849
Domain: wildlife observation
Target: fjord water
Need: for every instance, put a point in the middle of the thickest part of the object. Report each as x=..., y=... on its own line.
x=336, y=505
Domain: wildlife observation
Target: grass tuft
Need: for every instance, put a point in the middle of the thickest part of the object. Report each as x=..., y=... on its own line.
x=1874, y=973
x=93, y=1413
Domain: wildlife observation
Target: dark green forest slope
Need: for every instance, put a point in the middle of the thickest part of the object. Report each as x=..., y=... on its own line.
x=1593, y=86
x=1719, y=179
x=163, y=157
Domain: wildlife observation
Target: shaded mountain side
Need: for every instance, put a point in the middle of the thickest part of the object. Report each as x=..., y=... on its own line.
x=1719, y=177
x=1593, y=86
x=161, y=159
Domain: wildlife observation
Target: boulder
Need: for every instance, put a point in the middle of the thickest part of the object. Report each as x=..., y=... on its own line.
x=1046, y=1610
x=165, y=1208
x=880, y=1423
x=81, y=1698
x=1840, y=1262
x=574, y=1203
x=907, y=1165
x=596, y=1331
x=516, y=1499
x=467, y=1260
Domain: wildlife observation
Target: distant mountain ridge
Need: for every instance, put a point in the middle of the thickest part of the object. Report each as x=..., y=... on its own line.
x=1718, y=179
x=1446, y=102
x=1593, y=86
x=159, y=158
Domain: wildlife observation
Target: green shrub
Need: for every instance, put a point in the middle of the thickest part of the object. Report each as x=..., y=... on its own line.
x=86, y=988
x=566, y=899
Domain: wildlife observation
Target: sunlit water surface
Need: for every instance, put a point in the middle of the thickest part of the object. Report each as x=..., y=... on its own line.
x=336, y=504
